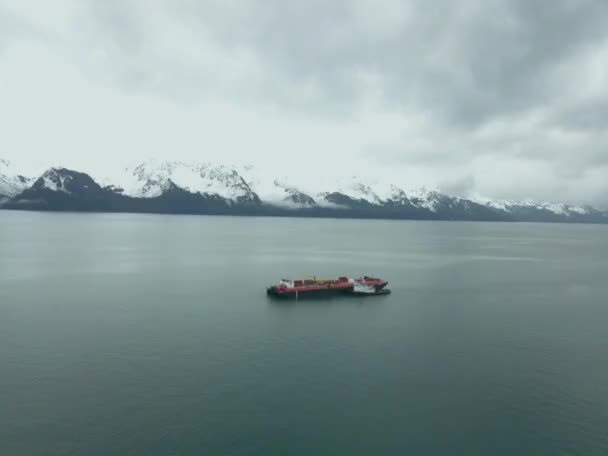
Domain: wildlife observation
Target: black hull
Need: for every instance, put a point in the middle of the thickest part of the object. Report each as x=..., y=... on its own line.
x=379, y=288
x=307, y=294
x=324, y=294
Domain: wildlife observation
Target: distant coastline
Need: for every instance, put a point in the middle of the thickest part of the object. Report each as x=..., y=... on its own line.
x=225, y=192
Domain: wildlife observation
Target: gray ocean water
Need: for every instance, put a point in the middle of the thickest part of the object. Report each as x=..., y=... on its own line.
x=153, y=335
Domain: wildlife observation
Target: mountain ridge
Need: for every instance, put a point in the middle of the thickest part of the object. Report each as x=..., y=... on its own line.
x=11, y=181
x=205, y=188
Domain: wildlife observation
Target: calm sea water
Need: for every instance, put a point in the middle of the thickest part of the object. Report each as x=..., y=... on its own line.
x=143, y=334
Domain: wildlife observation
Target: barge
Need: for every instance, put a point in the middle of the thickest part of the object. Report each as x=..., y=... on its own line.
x=311, y=286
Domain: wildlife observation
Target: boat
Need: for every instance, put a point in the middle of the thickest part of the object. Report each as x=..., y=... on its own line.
x=311, y=286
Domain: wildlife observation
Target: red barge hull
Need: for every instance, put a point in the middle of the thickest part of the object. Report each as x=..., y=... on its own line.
x=312, y=287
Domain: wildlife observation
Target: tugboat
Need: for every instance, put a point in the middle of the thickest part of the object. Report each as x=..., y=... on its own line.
x=311, y=286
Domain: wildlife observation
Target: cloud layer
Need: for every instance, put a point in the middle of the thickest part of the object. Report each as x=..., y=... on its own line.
x=505, y=99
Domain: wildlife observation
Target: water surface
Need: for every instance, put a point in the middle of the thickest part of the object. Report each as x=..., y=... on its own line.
x=145, y=334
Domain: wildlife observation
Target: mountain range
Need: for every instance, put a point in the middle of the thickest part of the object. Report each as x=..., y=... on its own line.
x=205, y=188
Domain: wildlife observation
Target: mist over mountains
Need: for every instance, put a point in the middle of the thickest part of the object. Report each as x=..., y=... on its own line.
x=176, y=187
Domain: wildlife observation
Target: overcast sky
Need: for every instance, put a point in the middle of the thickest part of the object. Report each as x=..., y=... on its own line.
x=505, y=99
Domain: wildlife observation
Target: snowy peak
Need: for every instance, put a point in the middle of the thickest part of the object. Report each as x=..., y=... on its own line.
x=381, y=193
x=65, y=181
x=153, y=178
x=558, y=209
x=359, y=189
x=293, y=197
x=429, y=199
x=55, y=179
x=335, y=191
x=11, y=181
x=514, y=207
x=274, y=190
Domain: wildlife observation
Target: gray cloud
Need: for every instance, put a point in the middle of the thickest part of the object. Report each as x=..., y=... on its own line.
x=590, y=115
x=442, y=91
x=13, y=27
x=465, y=61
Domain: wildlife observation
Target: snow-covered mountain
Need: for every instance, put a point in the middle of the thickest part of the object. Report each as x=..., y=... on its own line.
x=61, y=189
x=61, y=180
x=153, y=178
x=205, y=188
x=12, y=182
x=276, y=189
x=529, y=206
